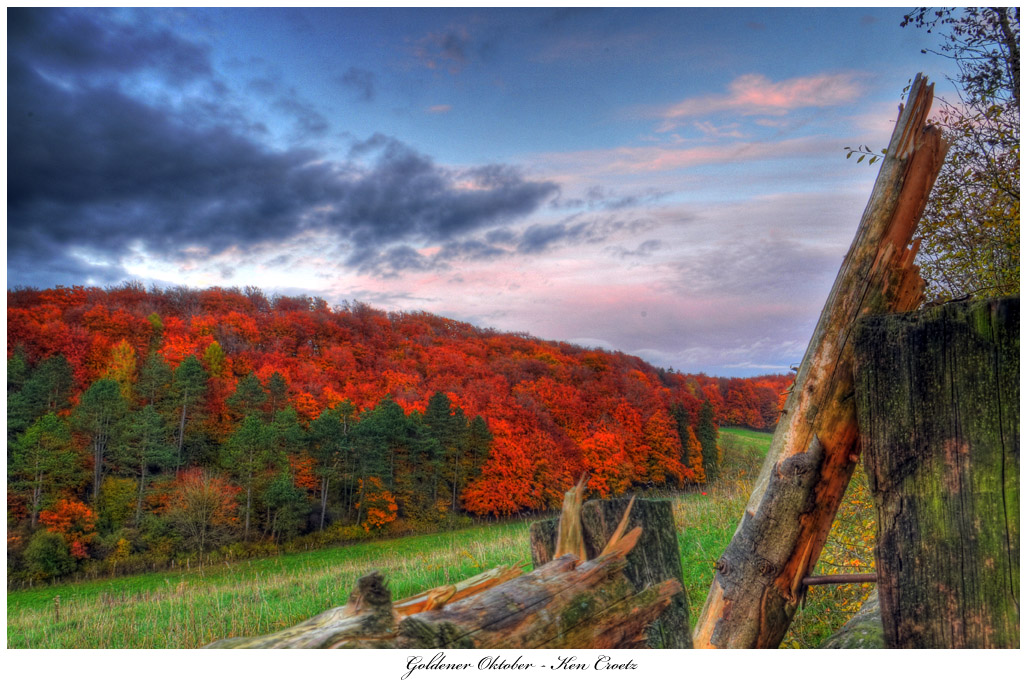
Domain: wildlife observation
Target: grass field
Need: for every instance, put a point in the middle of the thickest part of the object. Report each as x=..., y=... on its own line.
x=187, y=609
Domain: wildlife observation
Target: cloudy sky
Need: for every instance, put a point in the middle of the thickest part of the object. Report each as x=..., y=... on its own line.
x=671, y=183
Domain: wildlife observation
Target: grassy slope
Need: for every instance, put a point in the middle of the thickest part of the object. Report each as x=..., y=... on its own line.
x=189, y=608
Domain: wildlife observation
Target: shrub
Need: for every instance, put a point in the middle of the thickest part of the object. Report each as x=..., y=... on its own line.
x=47, y=556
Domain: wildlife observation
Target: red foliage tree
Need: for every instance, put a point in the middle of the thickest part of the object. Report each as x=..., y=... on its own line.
x=75, y=522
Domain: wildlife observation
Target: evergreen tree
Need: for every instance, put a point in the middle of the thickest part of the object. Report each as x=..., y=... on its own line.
x=18, y=370
x=707, y=434
x=377, y=437
x=188, y=388
x=449, y=426
x=100, y=414
x=144, y=447
x=330, y=443
x=288, y=435
x=44, y=389
x=692, y=449
x=246, y=456
x=417, y=470
x=248, y=398
x=277, y=392
x=42, y=462
x=480, y=441
x=155, y=379
x=287, y=506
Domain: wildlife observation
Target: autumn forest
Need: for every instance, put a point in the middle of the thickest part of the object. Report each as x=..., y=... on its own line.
x=146, y=427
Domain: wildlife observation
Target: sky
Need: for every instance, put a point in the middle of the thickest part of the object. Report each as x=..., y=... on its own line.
x=670, y=183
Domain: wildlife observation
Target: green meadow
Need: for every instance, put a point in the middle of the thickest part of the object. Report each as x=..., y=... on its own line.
x=185, y=609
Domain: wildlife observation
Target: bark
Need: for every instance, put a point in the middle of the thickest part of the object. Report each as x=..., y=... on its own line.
x=758, y=584
x=324, y=501
x=37, y=496
x=142, y=488
x=181, y=436
x=938, y=396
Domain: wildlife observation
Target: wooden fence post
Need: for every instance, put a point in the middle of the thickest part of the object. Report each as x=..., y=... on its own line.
x=759, y=579
x=938, y=399
x=654, y=560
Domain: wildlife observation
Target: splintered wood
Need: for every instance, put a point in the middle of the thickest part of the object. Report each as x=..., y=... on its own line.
x=568, y=602
x=759, y=579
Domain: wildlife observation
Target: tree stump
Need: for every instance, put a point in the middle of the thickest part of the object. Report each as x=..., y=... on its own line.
x=938, y=398
x=655, y=560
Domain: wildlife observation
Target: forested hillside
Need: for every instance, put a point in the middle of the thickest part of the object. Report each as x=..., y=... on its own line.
x=150, y=423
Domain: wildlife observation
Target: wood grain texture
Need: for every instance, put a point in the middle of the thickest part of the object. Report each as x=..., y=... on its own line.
x=938, y=397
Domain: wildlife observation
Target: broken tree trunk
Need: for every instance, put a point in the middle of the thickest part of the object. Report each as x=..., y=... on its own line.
x=758, y=580
x=938, y=397
x=661, y=561
x=566, y=603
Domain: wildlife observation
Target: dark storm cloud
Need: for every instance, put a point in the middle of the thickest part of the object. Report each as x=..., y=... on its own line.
x=89, y=43
x=539, y=238
x=396, y=260
x=403, y=193
x=94, y=172
x=359, y=81
x=49, y=264
x=494, y=244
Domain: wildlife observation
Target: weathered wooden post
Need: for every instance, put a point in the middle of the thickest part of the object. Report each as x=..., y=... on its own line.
x=938, y=398
x=655, y=560
x=759, y=579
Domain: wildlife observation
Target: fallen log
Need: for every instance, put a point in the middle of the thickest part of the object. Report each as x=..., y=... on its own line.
x=568, y=602
x=758, y=582
x=938, y=397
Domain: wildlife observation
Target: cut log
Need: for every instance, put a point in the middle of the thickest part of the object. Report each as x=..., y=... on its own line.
x=758, y=581
x=938, y=396
x=655, y=560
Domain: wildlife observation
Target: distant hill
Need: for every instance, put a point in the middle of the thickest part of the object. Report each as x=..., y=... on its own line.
x=554, y=410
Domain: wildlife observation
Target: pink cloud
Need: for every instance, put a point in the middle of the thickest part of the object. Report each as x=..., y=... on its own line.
x=439, y=108
x=657, y=159
x=756, y=95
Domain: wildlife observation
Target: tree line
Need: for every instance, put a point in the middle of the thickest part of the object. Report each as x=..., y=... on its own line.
x=149, y=425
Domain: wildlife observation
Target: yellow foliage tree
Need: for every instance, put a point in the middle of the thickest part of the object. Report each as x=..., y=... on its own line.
x=122, y=368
